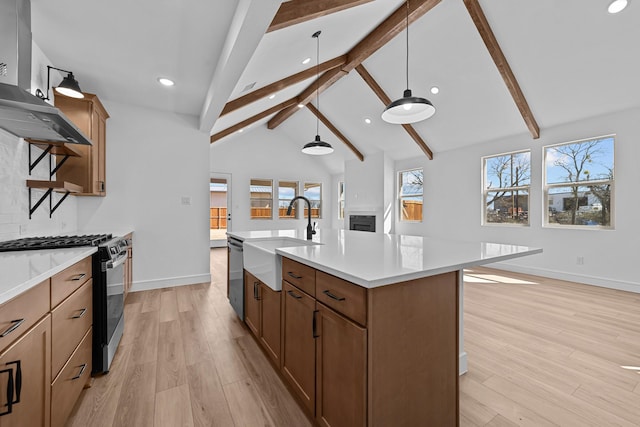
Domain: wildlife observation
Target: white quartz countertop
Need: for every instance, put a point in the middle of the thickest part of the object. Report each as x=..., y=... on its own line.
x=20, y=271
x=377, y=259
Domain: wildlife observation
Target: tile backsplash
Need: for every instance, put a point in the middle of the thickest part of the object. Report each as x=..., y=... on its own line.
x=14, y=195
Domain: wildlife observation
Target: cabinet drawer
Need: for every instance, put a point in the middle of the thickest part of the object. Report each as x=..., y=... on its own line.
x=342, y=296
x=70, y=321
x=66, y=389
x=22, y=312
x=64, y=283
x=300, y=275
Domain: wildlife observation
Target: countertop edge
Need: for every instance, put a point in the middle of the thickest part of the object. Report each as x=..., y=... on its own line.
x=35, y=280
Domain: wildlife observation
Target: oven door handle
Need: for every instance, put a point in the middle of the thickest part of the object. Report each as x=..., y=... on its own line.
x=111, y=264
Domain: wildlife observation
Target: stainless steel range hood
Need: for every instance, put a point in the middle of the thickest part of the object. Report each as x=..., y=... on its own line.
x=21, y=113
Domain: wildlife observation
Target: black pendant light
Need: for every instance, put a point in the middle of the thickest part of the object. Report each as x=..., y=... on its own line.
x=317, y=147
x=68, y=86
x=409, y=108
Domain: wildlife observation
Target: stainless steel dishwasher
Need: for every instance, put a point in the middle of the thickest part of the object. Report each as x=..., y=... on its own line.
x=235, y=275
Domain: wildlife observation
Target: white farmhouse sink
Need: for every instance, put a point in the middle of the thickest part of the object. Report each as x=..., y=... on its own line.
x=261, y=260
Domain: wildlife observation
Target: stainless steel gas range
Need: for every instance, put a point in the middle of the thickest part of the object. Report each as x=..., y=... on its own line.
x=108, y=286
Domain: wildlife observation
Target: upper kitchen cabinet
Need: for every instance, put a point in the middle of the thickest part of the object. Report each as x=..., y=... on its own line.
x=88, y=169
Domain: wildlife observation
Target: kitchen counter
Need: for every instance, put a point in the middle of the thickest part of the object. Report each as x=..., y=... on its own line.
x=375, y=259
x=22, y=270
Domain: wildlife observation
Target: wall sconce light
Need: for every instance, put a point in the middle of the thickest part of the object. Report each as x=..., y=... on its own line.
x=68, y=86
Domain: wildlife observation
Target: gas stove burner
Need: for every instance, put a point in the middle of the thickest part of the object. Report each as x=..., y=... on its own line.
x=53, y=242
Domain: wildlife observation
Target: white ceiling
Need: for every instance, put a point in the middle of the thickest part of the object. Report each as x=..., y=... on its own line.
x=572, y=60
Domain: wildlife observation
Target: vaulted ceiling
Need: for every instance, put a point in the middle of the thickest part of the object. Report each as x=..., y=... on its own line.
x=571, y=59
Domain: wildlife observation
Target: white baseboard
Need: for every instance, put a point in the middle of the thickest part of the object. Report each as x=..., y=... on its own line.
x=579, y=278
x=146, y=285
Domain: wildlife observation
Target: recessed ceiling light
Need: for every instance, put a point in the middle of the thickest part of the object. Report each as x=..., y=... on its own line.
x=165, y=81
x=617, y=6
x=367, y=120
x=306, y=60
x=272, y=96
x=435, y=89
x=300, y=105
x=241, y=130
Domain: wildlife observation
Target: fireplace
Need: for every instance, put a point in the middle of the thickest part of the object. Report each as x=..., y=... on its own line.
x=362, y=222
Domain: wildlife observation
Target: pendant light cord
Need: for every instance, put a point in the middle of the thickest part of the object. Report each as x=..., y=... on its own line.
x=407, y=30
x=317, y=36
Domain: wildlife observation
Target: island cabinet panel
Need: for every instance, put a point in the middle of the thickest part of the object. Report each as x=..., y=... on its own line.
x=270, y=322
x=344, y=297
x=251, y=303
x=262, y=315
x=341, y=370
x=27, y=359
x=299, y=275
x=413, y=352
x=299, y=354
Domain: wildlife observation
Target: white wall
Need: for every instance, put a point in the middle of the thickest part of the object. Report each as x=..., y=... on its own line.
x=453, y=204
x=336, y=222
x=154, y=160
x=14, y=195
x=262, y=154
x=369, y=190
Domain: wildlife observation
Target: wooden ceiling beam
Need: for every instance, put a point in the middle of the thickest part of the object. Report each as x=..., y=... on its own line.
x=373, y=41
x=309, y=94
x=281, y=84
x=298, y=11
x=489, y=38
x=371, y=82
x=228, y=131
x=335, y=131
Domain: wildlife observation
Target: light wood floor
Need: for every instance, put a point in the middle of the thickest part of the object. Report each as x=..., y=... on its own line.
x=541, y=352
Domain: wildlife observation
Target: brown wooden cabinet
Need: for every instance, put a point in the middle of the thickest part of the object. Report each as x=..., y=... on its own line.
x=262, y=315
x=28, y=358
x=88, y=169
x=299, y=348
x=341, y=370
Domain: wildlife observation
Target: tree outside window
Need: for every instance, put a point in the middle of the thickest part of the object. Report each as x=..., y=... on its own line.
x=579, y=179
x=410, y=194
x=313, y=192
x=261, y=198
x=287, y=190
x=507, y=181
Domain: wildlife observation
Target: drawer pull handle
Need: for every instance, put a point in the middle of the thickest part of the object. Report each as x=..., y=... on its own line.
x=332, y=296
x=290, y=273
x=82, y=312
x=294, y=295
x=9, y=403
x=82, y=368
x=16, y=325
x=315, y=325
x=256, y=291
x=79, y=277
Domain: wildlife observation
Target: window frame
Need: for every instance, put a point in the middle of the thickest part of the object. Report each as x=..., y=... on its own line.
x=507, y=189
x=400, y=197
x=341, y=199
x=304, y=190
x=251, y=199
x=295, y=207
x=586, y=183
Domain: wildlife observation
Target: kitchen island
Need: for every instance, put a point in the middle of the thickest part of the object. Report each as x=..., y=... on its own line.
x=371, y=323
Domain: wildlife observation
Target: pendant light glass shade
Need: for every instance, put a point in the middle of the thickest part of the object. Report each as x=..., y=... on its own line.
x=409, y=108
x=69, y=86
x=317, y=147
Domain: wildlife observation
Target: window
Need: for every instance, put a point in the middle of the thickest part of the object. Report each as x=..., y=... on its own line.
x=410, y=194
x=341, y=200
x=507, y=180
x=287, y=190
x=313, y=192
x=579, y=183
x=261, y=198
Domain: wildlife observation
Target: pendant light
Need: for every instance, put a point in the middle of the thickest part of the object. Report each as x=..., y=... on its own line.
x=409, y=108
x=317, y=147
